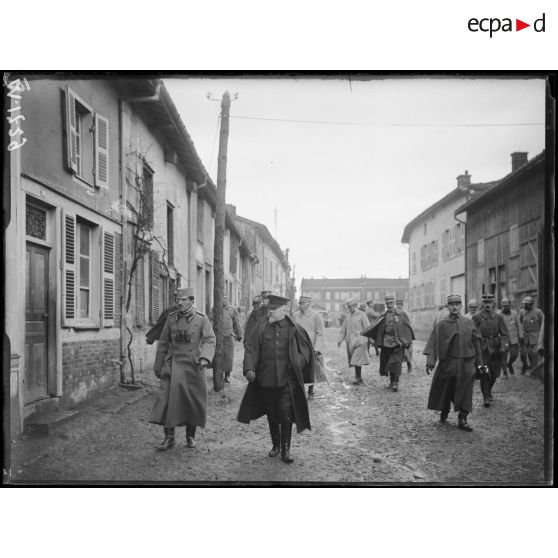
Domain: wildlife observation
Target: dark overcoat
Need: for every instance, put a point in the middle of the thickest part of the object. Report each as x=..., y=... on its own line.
x=403, y=331
x=456, y=343
x=301, y=358
x=183, y=395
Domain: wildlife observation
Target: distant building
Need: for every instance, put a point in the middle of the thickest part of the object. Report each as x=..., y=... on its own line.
x=505, y=234
x=437, y=254
x=331, y=294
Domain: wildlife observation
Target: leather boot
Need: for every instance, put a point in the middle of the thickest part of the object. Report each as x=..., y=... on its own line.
x=228, y=377
x=168, y=442
x=190, y=436
x=462, y=423
x=358, y=377
x=444, y=415
x=311, y=392
x=275, y=432
x=395, y=385
x=286, y=430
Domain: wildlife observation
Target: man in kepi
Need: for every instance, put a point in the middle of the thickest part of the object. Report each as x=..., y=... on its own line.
x=186, y=347
x=312, y=322
x=393, y=333
x=456, y=343
x=357, y=345
x=516, y=336
x=278, y=361
x=231, y=330
x=532, y=320
x=495, y=339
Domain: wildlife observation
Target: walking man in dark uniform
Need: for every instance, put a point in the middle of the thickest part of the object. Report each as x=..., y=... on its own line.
x=278, y=361
x=393, y=334
x=256, y=315
x=495, y=339
x=186, y=347
x=455, y=342
x=232, y=329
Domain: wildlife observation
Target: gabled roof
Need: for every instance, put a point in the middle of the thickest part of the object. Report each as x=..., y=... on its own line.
x=469, y=189
x=500, y=185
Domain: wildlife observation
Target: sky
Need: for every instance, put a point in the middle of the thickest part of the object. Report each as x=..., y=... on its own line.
x=341, y=166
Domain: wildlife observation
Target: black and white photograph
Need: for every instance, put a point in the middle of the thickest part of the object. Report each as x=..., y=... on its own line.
x=291, y=279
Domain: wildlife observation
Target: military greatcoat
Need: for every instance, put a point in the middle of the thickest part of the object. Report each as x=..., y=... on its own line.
x=185, y=339
x=350, y=332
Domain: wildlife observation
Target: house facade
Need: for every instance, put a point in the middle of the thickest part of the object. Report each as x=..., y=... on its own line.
x=436, y=242
x=331, y=294
x=505, y=250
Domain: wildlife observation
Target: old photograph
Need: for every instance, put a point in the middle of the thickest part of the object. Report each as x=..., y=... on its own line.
x=278, y=279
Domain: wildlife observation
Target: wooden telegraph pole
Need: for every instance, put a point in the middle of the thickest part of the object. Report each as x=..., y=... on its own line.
x=219, y=276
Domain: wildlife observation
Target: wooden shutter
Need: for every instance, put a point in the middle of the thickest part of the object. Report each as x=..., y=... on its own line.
x=68, y=267
x=107, y=278
x=140, y=294
x=71, y=132
x=101, y=151
x=155, y=287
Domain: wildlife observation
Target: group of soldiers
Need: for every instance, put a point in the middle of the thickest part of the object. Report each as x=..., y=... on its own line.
x=283, y=354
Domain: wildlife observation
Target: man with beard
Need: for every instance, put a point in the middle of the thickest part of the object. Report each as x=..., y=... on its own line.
x=357, y=345
x=516, y=337
x=278, y=361
x=532, y=320
x=393, y=334
x=495, y=338
x=455, y=343
x=186, y=347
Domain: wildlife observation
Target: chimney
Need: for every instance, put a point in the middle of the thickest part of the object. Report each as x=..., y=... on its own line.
x=231, y=208
x=519, y=158
x=464, y=180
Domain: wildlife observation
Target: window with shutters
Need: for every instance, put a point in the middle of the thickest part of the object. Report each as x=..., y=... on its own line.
x=83, y=301
x=87, y=141
x=201, y=215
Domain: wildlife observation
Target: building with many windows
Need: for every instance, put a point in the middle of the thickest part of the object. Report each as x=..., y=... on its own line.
x=436, y=242
x=331, y=294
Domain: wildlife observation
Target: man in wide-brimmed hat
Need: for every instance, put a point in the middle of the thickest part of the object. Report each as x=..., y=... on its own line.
x=186, y=347
x=278, y=361
x=455, y=343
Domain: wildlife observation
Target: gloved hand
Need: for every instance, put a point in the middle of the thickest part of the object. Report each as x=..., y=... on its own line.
x=429, y=368
x=250, y=376
x=482, y=369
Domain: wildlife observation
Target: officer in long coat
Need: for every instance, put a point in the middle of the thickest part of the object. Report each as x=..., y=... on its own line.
x=393, y=333
x=232, y=329
x=532, y=320
x=186, y=347
x=278, y=361
x=357, y=345
x=312, y=322
x=495, y=339
x=455, y=342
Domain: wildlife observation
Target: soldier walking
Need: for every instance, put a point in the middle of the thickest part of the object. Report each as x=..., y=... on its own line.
x=393, y=334
x=357, y=345
x=257, y=314
x=312, y=322
x=455, y=342
x=495, y=338
x=532, y=320
x=186, y=347
x=372, y=316
x=516, y=337
x=232, y=329
x=408, y=353
x=278, y=361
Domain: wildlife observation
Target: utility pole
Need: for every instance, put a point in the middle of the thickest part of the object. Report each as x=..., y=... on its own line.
x=219, y=276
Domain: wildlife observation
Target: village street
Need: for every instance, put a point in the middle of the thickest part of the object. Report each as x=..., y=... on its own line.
x=359, y=434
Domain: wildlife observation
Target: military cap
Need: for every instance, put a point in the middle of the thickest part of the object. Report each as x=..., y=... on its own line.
x=473, y=303
x=389, y=297
x=369, y=302
x=257, y=299
x=304, y=299
x=527, y=300
x=186, y=292
x=454, y=298
x=276, y=301
x=351, y=302
x=489, y=297
x=506, y=301
x=265, y=294
x=362, y=306
x=398, y=301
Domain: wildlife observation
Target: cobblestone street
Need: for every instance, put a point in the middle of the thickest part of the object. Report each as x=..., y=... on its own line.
x=359, y=434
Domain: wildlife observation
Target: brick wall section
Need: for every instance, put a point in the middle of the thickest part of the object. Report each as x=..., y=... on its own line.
x=118, y=278
x=87, y=369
